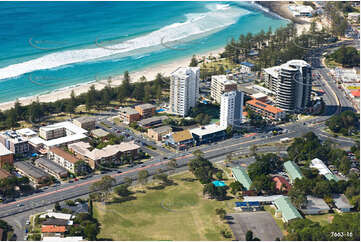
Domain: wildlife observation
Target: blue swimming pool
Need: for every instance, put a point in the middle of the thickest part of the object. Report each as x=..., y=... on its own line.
x=160, y=110
x=218, y=183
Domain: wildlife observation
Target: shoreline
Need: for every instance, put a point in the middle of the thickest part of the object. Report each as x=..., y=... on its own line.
x=149, y=72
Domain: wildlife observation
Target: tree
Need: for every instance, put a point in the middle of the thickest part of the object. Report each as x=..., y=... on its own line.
x=103, y=187
x=172, y=164
x=221, y=213
x=194, y=61
x=142, y=177
x=82, y=168
x=253, y=150
x=202, y=169
x=236, y=187
x=57, y=206
x=249, y=236
x=122, y=190
x=219, y=193
x=198, y=153
x=162, y=178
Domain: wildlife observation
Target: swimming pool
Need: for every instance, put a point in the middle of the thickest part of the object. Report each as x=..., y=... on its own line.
x=160, y=110
x=218, y=183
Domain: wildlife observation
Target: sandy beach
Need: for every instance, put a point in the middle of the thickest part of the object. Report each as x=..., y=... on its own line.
x=149, y=72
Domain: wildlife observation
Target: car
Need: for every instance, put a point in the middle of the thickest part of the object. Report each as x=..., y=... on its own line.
x=27, y=222
x=76, y=179
x=71, y=181
x=142, y=165
x=19, y=205
x=119, y=171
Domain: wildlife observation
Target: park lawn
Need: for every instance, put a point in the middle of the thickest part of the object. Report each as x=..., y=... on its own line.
x=323, y=219
x=148, y=216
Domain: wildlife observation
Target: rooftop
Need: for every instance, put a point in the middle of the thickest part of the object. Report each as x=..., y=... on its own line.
x=52, y=229
x=56, y=221
x=223, y=79
x=355, y=93
x=99, y=133
x=128, y=111
x=62, y=153
x=51, y=165
x=261, y=198
x=247, y=64
x=293, y=170
x=264, y=106
x=4, y=150
x=182, y=135
x=108, y=151
x=322, y=169
x=69, y=126
x=287, y=209
x=241, y=176
x=147, y=121
x=30, y=170
x=145, y=106
x=13, y=135
x=162, y=129
x=316, y=203
x=280, y=180
x=341, y=201
x=26, y=132
x=85, y=119
x=273, y=71
x=207, y=129
x=259, y=95
x=184, y=71
x=57, y=215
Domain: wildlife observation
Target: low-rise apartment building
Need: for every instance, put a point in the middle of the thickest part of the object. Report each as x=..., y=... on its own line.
x=35, y=175
x=51, y=167
x=14, y=142
x=157, y=133
x=265, y=110
x=146, y=110
x=62, y=158
x=110, y=153
x=87, y=122
x=129, y=115
x=152, y=122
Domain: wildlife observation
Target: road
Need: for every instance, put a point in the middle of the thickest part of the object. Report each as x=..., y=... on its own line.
x=16, y=211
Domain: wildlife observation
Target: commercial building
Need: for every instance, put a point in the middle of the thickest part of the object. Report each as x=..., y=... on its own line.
x=86, y=122
x=129, y=115
x=4, y=174
x=184, y=90
x=180, y=140
x=292, y=170
x=315, y=205
x=341, y=202
x=14, y=142
x=157, y=133
x=323, y=169
x=281, y=183
x=265, y=110
x=58, y=134
x=51, y=167
x=240, y=174
x=35, y=175
x=145, y=110
x=208, y=133
x=285, y=209
x=231, y=109
x=110, y=153
x=292, y=83
x=152, y=122
x=6, y=156
x=221, y=84
x=62, y=158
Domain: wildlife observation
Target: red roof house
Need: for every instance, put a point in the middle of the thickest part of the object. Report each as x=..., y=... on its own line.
x=281, y=183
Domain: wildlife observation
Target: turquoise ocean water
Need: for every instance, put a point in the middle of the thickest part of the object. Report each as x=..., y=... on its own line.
x=47, y=46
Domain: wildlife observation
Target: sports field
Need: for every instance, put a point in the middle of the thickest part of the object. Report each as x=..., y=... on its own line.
x=176, y=212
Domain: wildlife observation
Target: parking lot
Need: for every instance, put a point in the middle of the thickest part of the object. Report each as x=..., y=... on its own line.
x=260, y=223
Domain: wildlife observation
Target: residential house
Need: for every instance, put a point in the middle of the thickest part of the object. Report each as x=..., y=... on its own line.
x=281, y=183
x=342, y=203
x=315, y=205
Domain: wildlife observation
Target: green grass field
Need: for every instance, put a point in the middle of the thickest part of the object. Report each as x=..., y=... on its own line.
x=176, y=212
x=323, y=219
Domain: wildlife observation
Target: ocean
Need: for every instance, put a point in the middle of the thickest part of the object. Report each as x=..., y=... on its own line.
x=46, y=46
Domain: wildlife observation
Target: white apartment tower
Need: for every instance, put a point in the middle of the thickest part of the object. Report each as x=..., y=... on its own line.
x=231, y=108
x=184, y=90
x=292, y=83
x=221, y=84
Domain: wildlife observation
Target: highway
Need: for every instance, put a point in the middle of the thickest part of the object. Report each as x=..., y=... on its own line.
x=335, y=102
